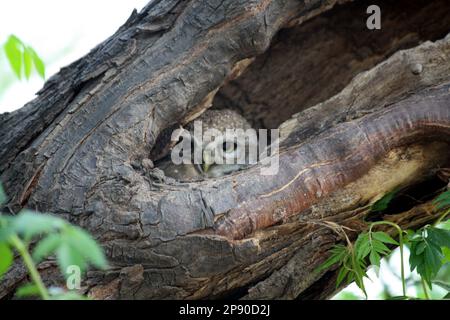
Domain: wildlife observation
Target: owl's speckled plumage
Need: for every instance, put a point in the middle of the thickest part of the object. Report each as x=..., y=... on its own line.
x=221, y=120
x=211, y=119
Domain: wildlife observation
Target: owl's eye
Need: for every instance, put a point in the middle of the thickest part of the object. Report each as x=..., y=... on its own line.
x=229, y=146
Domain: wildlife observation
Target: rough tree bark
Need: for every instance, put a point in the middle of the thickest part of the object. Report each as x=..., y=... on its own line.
x=361, y=113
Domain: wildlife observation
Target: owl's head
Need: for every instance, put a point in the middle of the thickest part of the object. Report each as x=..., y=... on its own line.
x=226, y=141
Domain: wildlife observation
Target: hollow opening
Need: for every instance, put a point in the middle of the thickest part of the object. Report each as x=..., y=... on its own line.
x=309, y=63
x=411, y=197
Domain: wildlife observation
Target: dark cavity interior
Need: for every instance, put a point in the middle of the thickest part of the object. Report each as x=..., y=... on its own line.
x=411, y=197
x=310, y=63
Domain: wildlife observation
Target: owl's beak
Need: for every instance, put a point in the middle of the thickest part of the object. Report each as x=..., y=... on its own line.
x=206, y=167
x=206, y=162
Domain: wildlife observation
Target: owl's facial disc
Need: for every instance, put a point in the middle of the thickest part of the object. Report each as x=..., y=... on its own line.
x=226, y=149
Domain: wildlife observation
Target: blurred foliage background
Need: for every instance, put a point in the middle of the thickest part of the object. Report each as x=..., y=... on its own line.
x=387, y=283
x=60, y=32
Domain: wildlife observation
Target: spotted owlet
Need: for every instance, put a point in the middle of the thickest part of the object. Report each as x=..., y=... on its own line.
x=216, y=122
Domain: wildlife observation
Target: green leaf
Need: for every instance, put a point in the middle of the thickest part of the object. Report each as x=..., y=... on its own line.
x=440, y=237
x=27, y=61
x=360, y=283
x=350, y=277
x=38, y=63
x=22, y=57
x=380, y=247
x=426, y=254
x=5, y=228
x=341, y=276
x=363, y=251
x=362, y=246
x=446, y=253
x=86, y=246
x=414, y=259
x=77, y=248
x=445, y=225
x=6, y=258
x=359, y=273
x=46, y=247
x=29, y=223
x=384, y=202
x=2, y=195
x=384, y=237
x=420, y=248
x=442, y=201
x=5, y=234
x=67, y=257
x=13, y=49
x=338, y=253
x=433, y=259
x=408, y=237
x=429, y=264
x=27, y=290
x=375, y=259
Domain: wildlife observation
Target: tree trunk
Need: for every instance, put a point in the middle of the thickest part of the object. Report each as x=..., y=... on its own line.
x=361, y=113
